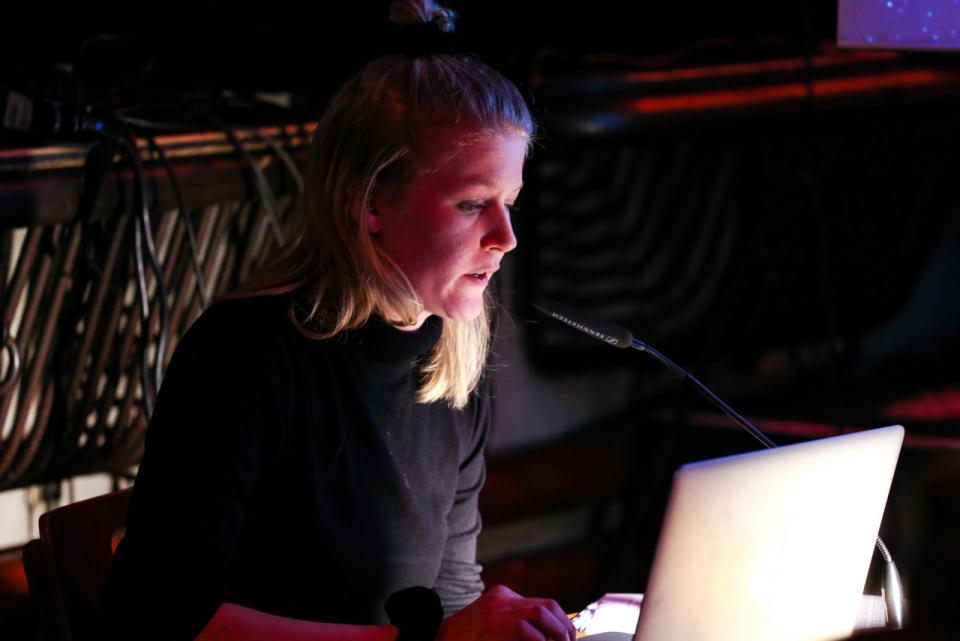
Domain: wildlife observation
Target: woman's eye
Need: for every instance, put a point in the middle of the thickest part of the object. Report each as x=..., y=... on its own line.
x=470, y=206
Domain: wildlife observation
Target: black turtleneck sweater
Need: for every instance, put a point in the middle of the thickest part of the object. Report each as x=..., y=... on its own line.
x=297, y=477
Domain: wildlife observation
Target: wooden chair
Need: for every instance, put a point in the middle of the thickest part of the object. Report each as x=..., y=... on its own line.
x=67, y=566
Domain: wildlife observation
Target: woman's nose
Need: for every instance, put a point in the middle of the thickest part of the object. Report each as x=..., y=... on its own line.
x=500, y=236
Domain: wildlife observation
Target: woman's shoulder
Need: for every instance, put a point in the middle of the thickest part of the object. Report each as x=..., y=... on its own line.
x=248, y=316
x=241, y=326
x=240, y=344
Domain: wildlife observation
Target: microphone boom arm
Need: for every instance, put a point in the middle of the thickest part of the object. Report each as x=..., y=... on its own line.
x=704, y=391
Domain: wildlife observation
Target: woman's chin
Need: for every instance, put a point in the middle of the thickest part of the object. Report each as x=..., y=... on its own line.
x=462, y=311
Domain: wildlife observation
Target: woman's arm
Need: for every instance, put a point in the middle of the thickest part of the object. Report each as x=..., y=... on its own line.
x=233, y=622
x=499, y=615
x=458, y=581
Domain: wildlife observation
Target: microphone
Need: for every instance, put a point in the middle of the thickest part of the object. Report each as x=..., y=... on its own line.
x=614, y=334
x=609, y=333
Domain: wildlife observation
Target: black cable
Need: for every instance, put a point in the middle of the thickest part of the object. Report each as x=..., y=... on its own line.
x=143, y=241
x=184, y=217
x=267, y=198
x=288, y=164
x=12, y=373
x=143, y=231
x=155, y=264
x=144, y=296
x=277, y=149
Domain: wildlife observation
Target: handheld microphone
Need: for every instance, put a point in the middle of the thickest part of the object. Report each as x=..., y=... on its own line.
x=614, y=334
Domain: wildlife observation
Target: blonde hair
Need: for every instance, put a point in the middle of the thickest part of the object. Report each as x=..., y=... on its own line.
x=377, y=132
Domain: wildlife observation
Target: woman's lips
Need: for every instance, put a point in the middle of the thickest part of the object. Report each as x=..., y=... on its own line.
x=483, y=276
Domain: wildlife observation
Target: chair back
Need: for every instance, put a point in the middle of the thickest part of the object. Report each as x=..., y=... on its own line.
x=67, y=566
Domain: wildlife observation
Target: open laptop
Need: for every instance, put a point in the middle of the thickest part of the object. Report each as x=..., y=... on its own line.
x=772, y=545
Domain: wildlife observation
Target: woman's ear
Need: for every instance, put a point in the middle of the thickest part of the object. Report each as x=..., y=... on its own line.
x=373, y=220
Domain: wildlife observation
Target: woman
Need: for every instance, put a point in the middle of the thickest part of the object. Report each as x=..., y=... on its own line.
x=318, y=442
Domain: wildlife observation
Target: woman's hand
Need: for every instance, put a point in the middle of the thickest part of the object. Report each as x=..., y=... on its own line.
x=500, y=614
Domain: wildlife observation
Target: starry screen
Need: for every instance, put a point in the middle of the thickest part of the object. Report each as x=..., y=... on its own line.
x=899, y=24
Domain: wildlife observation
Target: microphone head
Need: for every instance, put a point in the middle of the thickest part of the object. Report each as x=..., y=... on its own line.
x=609, y=333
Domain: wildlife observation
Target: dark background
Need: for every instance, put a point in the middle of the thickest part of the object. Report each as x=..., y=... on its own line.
x=307, y=47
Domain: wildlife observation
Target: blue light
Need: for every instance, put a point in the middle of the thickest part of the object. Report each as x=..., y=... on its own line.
x=933, y=24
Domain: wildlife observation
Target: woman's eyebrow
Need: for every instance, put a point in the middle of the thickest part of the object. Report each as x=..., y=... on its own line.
x=480, y=181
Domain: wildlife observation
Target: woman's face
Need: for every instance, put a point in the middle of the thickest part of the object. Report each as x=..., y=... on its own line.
x=448, y=228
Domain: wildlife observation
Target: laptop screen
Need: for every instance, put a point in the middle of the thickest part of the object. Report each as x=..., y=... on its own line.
x=772, y=545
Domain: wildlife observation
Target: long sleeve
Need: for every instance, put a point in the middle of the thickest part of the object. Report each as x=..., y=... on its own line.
x=459, y=582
